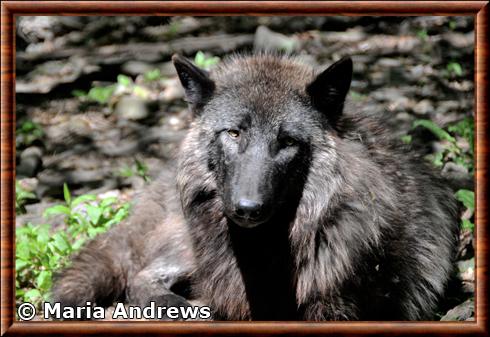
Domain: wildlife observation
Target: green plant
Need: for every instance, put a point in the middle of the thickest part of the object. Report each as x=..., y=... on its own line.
x=452, y=151
x=205, y=62
x=466, y=129
x=27, y=132
x=467, y=198
x=356, y=96
x=406, y=139
x=138, y=168
x=152, y=75
x=99, y=94
x=21, y=197
x=40, y=251
x=87, y=217
x=103, y=94
x=423, y=34
x=38, y=254
x=454, y=69
x=173, y=29
x=452, y=24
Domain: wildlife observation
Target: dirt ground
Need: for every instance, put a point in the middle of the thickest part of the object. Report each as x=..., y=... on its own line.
x=408, y=67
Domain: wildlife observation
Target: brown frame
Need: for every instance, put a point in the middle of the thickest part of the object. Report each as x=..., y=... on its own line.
x=9, y=9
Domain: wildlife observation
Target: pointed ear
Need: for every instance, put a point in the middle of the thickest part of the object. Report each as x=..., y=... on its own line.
x=196, y=82
x=328, y=90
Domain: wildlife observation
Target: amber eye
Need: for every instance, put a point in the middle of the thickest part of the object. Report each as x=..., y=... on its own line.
x=234, y=133
x=288, y=141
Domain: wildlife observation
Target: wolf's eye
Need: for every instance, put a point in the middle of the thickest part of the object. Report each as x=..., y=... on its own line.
x=288, y=141
x=234, y=133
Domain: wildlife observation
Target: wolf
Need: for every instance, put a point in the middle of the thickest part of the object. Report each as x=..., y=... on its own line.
x=284, y=205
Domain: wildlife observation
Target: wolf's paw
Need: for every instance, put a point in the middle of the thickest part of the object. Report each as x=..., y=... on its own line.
x=174, y=301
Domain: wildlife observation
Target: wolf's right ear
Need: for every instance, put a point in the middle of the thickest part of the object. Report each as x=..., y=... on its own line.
x=328, y=90
x=196, y=82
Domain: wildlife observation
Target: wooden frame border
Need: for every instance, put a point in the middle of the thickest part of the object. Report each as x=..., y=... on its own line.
x=9, y=9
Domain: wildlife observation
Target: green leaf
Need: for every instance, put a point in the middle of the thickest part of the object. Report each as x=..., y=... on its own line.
x=78, y=243
x=356, y=96
x=94, y=214
x=23, y=250
x=55, y=210
x=124, y=80
x=422, y=34
x=20, y=264
x=438, y=159
x=60, y=241
x=79, y=93
x=93, y=231
x=43, y=280
x=199, y=59
x=467, y=224
x=152, y=75
x=82, y=199
x=466, y=129
x=66, y=194
x=43, y=235
x=101, y=94
x=466, y=197
x=106, y=202
x=141, y=92
x=32, y=295
x=406, y=139
x=455, y=68
x=435, y=129
x=19, y=293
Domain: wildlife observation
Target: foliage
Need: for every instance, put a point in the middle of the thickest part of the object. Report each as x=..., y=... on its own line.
x=105, y=94
x=356, y=96
x=85, y=217
x=466, y=129
x=40, y=251
x=205, y=62
x=453, y=151
x=406, y=139
x=28, y=132
x=38, y=254
x=99, y=94
x=454, y=69
x=139, y=169
x=467, y=198
x=21, y=197
x=152, y=75
x=423, y=34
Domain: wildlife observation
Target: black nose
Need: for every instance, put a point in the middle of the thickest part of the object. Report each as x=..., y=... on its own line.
x=248, y=209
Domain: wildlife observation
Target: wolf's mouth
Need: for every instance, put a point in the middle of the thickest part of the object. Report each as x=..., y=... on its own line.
x=246, y=222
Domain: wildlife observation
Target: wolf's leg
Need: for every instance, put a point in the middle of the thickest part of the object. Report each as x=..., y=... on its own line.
x=96, y=274
x=156, y=283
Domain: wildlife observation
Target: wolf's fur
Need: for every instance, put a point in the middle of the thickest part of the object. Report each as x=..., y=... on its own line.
x=366, y=231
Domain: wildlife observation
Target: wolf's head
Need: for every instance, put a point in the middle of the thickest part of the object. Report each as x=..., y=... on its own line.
x=259, y=119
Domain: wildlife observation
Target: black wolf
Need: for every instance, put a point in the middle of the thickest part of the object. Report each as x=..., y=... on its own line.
x=283, y=206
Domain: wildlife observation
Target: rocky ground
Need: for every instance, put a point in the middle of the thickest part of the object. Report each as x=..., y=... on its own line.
x=98, y=141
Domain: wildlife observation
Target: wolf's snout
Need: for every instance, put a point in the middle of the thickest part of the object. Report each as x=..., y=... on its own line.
x=248, y=209
x=249, y=213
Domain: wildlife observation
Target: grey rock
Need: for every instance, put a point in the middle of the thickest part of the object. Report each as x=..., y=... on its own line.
x=30, y=162
x=461, y=312
x=133, y=108
x=267, y=40
x=423, y=107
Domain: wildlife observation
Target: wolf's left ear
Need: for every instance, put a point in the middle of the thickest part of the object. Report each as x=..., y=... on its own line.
x=328, y=90
x=196, y=82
